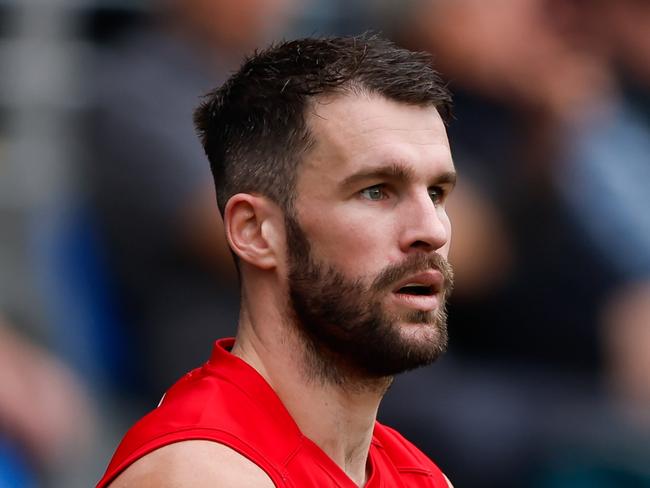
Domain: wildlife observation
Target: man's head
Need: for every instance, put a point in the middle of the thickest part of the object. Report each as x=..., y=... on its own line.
x=345, y=138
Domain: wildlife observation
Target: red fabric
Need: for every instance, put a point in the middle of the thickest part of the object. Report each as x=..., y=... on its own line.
x=228, y=402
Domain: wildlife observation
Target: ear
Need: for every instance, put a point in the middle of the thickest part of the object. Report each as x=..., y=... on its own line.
x=252, y=228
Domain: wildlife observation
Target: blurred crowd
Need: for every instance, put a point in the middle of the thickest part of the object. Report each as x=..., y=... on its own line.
x=547, y=380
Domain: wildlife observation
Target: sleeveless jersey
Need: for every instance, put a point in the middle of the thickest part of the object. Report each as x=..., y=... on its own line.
x=229, y=402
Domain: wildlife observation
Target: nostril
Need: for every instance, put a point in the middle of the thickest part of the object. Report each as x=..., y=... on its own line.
x=422, y=245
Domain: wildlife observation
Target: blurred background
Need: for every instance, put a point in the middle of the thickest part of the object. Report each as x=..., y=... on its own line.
x=115, y=278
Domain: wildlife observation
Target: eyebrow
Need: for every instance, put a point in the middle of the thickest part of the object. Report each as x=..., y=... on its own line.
x=447, y=178
x=395, y=171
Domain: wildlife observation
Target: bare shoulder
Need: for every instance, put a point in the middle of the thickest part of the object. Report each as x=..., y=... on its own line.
x=196, y=464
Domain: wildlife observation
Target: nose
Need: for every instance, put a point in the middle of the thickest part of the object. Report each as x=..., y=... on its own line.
x=425, y=226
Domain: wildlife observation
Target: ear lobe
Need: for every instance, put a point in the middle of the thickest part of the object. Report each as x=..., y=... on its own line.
x=249, y=229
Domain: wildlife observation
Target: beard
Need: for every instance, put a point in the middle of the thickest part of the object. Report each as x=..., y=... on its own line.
x=346, y=331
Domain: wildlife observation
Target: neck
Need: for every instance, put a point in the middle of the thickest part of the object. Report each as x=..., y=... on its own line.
x=338, y=416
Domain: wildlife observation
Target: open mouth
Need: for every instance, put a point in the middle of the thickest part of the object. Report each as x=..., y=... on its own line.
x=420, y=291
x=426, y=284
x=416, y=290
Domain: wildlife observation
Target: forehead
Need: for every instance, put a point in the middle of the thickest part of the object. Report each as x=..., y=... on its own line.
x=356, y=132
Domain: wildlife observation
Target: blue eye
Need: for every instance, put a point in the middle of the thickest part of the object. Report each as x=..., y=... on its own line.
x=374, y=193
x=436, y=194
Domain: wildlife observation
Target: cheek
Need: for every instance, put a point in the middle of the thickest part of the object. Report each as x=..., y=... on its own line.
x=357, y=246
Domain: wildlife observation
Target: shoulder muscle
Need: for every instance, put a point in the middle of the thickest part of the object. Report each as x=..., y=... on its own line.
x=196, y=464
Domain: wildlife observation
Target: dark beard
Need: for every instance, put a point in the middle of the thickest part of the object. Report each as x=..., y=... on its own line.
x=347, y=334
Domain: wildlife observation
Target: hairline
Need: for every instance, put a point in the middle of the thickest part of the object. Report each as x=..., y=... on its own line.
x=351, y=88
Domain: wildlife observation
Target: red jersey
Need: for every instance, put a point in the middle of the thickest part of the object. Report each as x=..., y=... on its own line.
x=227, y=401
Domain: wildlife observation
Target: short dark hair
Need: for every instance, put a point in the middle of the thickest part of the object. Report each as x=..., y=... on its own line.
x=254, y=129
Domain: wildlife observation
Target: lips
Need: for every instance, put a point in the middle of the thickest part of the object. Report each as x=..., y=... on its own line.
x=421, y=291
x=428, y=283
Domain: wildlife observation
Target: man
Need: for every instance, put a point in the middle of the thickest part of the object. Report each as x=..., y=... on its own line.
x=332, y=169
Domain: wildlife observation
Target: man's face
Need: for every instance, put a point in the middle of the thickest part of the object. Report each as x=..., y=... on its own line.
x=368, y=238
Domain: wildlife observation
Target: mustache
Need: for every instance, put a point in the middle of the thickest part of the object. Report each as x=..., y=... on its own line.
x=416, y=263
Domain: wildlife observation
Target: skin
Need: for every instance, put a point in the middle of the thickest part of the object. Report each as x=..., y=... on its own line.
x=360, y=225
x=43, y=406
x=230, y=25
x=480, y=43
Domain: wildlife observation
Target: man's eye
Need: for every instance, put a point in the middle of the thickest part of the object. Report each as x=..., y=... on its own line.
x=436, y=194
x=374, y=193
